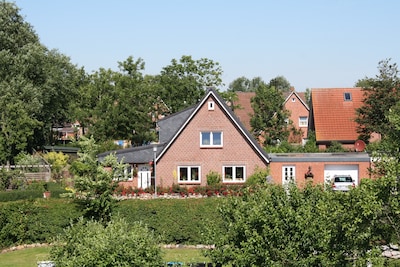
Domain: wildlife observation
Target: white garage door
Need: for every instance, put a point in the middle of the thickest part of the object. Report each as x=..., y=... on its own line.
x=331, y=170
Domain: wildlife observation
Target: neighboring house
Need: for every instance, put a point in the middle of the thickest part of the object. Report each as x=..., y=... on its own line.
x=318, y=167
x=66, y=132
x=194, y=142
x=295, y=102
x=333, y=114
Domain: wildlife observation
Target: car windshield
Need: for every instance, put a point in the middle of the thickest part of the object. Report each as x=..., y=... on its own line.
x=343, y=179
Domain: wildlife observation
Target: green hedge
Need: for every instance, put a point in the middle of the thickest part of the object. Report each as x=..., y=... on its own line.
x=40, y=220
x=179, y=221
x=34, y=221
x=33, y=191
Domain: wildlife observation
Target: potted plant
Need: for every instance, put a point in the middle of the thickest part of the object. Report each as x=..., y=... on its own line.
x=46, y=193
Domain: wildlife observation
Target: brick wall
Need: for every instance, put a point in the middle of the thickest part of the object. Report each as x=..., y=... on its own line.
x=186, y=151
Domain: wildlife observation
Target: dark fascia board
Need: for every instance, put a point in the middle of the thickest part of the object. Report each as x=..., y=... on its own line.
x=249, y=138
x=320, y=157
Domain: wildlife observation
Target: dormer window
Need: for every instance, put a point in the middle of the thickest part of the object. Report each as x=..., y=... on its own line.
x=347, y=96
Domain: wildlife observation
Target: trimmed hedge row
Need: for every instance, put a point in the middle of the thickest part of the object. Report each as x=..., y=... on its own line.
x=33, y=191
x=179, y=221
x=34, y=221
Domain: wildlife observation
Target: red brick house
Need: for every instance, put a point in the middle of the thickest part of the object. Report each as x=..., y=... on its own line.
x=333, y=114
x=295, y=102
x=194, y=142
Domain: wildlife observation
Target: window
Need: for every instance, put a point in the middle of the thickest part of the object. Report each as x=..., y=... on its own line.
x=123, y=175
x=189, y=174
x=347, y=96
x=234, y=173
x=303, y=121
x=288, y=174
x=210, y=105
x=211, y=139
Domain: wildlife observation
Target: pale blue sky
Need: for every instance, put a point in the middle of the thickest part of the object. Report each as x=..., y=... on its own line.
x=312, y=43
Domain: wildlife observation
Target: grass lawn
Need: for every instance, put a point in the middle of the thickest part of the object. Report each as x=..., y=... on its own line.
x=30, y=256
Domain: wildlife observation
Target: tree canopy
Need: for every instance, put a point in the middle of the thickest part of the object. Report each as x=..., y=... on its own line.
x=36, y=85
x=381, y=93
x=183, y=83
x=270, y=120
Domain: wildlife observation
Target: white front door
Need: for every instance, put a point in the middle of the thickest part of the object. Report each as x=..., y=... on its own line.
x=288, y=175
x=144, y=176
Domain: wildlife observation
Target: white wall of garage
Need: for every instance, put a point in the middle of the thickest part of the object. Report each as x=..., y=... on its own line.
x=333, y=169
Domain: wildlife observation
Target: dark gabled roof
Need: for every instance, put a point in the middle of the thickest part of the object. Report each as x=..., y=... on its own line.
x=231, y=116
x=139, y=154
x=169, y=125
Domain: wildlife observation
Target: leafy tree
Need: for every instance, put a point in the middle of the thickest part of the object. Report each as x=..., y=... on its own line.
x=270, y=119
x=274, y=226
x=381, y=94
x=58, y=162
x=183, y=83
x=280, y=83
x=243, y=84
x=115, y=244
x=110, y=100
x=36, y=86
x=94, y=184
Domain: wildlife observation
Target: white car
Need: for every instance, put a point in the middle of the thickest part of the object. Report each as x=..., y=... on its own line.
x=342, y=183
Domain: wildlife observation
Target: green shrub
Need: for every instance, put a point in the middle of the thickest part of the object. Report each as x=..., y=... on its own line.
x=259, y=177
x=118, y=243
x=213, y=178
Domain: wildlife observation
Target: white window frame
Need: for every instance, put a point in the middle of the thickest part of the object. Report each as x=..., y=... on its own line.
x=234, y=178
x=189, y=171
x=126, y=176
x=211, y=139
x=303, y=121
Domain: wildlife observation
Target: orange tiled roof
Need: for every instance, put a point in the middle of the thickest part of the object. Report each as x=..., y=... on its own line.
x=245, y=111
x=333, y=116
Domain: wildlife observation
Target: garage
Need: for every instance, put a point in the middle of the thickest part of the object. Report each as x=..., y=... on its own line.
x=334, y=169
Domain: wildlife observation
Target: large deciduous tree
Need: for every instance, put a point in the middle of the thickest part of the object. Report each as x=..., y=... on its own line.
x=36, y=85
x=270, y=120
x=381, y=94
x=183, y=83
x=117, y=105
x=242, y=84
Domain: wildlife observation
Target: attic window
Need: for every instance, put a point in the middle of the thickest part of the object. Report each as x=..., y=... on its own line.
x=347, y=96
x=211, y=105
x=293, y=99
